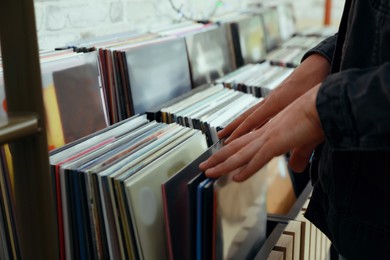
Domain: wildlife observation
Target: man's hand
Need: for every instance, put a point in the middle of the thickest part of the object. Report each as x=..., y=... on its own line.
x=311, y=72
x=296, y=128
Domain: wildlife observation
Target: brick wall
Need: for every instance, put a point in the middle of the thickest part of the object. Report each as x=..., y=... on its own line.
x=62, y=21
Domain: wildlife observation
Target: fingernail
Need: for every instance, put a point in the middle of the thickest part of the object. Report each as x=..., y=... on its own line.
x=209, y=171
x=237, y=177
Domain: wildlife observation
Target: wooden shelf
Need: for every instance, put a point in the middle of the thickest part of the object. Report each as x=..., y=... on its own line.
x=17, y=126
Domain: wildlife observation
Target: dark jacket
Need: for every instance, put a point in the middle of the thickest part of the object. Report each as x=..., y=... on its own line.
x=351, y=177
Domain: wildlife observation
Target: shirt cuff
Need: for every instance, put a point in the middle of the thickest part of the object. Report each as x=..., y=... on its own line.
x=324, y=48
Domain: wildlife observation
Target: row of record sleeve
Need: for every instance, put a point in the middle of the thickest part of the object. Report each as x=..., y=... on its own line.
x=108, y=188
x=71, y=93
x=118, y=197
x=256, y=79
x=140, y=72
x=208, y=108
x=125, y=74
x=129, y=73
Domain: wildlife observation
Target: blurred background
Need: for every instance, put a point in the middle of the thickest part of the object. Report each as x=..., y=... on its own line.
x=63, y=21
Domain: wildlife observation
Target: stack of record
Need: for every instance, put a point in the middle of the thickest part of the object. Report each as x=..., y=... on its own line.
x=318, y=31
x=209, y=109
x=287, y=19
x=9, y=244
x=140, y=72
x=285, y=14
x=271, y=23
x=208, y=51
x=303, y=42
x=108, y=188
x=292, y=51
x=256, y=79
x=286, y=57
x=72, y=96
x=214, y=218
x=246, y=35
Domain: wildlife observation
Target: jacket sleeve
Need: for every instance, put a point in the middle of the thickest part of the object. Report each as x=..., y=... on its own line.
x=354, y=108
x=325, y=48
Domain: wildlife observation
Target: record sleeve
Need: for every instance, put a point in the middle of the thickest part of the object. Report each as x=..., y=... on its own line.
x=192, y=196
x=240, y=211
x=133, y=166
x=78, y=93
x=4, y=237
x=144, y=195
x=83, y=201
x=271, y=27
x=200, y=218
x=209, y=56
x=75, y=151
x=8, y=207
x=111, y=180
x=205, y=220
x=177, y=222
x=252, y=39
x=167, y=62
x=78, y=74
x=159, y=115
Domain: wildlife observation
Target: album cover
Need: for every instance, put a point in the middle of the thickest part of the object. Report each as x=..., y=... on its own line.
x=287, y=20
x=208, y=54
x=84, y=212
x=200, y=214
x=271, y=27
x=144, y=195
x=177, y=222
x=113, y=240
x=158, y=72
x=7, y=209
x=205, y=220
x=117, y=173
x=252, y=39
x=5, y=247
x=192, y=198
x=65, y=155
x=79, y=101
x=239, y=206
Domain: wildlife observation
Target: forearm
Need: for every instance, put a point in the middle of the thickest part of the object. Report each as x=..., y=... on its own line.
x=313, y=70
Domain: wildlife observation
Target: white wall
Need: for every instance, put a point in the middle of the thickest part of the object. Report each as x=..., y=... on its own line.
x=311, y=12
x=62, y=21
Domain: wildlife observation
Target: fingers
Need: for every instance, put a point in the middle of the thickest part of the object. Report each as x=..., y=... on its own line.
x=300, y=158
x=225, y=152
x=233, y=125
x=266, y=109
x=235, y=160
x=253, y=121
x=295, y=127
x=258, y=161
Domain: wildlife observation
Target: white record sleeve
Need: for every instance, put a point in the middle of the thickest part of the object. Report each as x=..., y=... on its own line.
x=145, y=198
